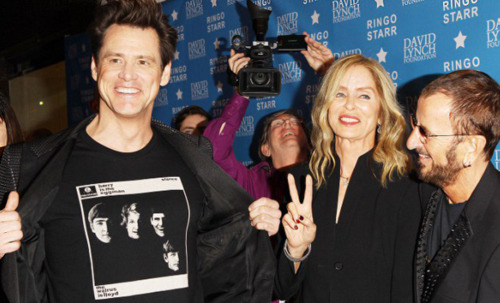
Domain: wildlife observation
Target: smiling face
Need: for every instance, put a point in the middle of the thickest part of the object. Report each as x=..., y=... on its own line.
x=129, y=71
x=355, y=110
x=285, y=134
x=132, y=225
x=158, y=223
x=438, y=157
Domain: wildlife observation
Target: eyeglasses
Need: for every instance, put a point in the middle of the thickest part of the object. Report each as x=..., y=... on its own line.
x=281, y=122
x=424, y=135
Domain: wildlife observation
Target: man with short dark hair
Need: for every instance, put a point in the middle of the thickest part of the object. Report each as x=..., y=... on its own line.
x=456, y=128
x=99, y=221
x=115, y=158
x=171, y=256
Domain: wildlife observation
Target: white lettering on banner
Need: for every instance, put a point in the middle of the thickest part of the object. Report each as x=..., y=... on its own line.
x=462, y=10
x=216, y=22
x=247, y=127
x=410, y=2
x=290, y=71
x=262, y=3
x=492, y=30
x=177, y=109
x=242, y=31
x=319, y=36
x=288, y=23
x=308, y=1
x=264, y=105
x=388, y=28
x=178, y=74
x=194, y=8
x=231, y=2
x=394, y=75
x=196, y=49
x=199, y=90
x=467, y=63
x=420, y=48
x=344, y=10
x=220, y=102
x=311, y=91
x=218, y=65
x=347, y=52
x=180, y=32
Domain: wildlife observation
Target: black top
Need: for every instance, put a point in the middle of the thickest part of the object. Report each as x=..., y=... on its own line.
x=114, y=212
x=367, y=256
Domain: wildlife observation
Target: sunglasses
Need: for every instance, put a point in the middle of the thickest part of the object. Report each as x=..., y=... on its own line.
x=424, y=134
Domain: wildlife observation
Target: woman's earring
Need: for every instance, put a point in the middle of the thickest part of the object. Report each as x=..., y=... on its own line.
x=378, y=128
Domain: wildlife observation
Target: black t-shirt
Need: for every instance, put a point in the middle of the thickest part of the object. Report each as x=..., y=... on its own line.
x=123, y=226
x=446, y=216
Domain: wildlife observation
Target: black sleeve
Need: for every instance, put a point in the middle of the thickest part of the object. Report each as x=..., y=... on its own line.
x=408, y=223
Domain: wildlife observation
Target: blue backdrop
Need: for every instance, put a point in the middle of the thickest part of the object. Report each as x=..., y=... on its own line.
x=415, y=40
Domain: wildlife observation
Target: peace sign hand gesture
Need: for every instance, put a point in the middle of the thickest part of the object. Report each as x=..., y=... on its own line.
x=298, y=222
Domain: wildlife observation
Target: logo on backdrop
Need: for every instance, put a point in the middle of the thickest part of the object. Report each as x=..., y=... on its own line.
x=420, y=48
x=265, y=103
x=410, y=2
x=194, y=8
x=381, y=27
x=196, y=49
x=218, y=65
x=247, y=127
x=459, y=10
x=290, y=71
x=216, y=22
x=344, y=10
x=305, y=2
x=242, y=31
x=179, y=74
x=288, y=23
x=492, y=30
x=199, y=90
x=161, y=98
x=262, y=3
x=321, y=36
x=180, y=32
x=311, y=92
x=347, y=52
x=496, y=159
x=466, y=63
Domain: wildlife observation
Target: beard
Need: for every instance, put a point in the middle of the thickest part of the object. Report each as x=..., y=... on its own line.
x=439, y=174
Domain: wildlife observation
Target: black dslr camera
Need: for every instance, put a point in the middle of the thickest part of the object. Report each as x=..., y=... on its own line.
x=259, y=78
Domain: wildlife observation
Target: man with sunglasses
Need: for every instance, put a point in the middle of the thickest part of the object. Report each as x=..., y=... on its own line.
x=456, y=128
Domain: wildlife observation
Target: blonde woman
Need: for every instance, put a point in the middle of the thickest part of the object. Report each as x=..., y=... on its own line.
x=352, y=238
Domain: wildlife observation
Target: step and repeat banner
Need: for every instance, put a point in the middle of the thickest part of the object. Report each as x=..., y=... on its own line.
x=415, y=40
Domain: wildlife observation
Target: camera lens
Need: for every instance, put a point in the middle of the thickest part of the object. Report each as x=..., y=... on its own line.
x=260, y=78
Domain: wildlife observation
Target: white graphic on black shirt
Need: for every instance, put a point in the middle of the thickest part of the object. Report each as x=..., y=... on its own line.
x=136, y=234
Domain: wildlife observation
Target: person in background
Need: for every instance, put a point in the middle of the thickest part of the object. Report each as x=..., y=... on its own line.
x=456, y=129
x=352, y=238
x=191, y=120
x=10, y=130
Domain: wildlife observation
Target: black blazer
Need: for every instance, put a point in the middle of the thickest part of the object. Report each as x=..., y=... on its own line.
x=467, y=267
x=368, y=255
x=224, y=229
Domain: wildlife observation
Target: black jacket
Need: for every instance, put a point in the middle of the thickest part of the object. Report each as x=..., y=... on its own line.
x=467, y=266
x=35, y=171
x=368, y=255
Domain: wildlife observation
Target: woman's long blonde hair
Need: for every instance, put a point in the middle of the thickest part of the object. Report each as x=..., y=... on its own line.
x=388, y=149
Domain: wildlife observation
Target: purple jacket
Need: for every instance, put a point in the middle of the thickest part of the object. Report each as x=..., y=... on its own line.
x=256, y=180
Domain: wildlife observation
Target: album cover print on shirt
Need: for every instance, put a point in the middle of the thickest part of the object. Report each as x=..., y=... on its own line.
x=136, y=234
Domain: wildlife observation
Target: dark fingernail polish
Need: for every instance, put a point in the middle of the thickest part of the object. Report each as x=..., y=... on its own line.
x=301, y=218
x=298, y=221
x=295, y=227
